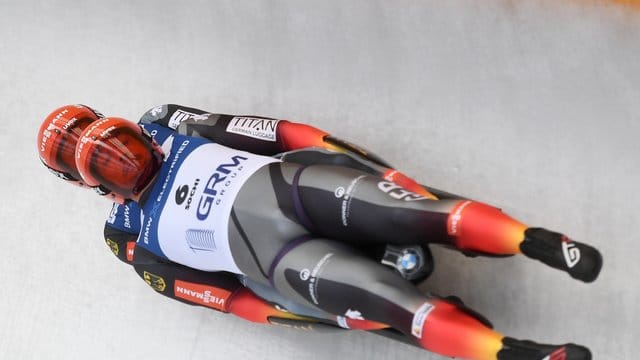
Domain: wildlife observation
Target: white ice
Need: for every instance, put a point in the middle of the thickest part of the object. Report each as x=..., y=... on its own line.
x=533, y=106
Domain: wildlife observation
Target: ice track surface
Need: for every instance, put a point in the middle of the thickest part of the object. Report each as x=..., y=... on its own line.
x=533, y=106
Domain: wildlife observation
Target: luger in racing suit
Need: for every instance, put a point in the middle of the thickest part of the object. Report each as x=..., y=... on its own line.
x=228, y=292
x=238, y=202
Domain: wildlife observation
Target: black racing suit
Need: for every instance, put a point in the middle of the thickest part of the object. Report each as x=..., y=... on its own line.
x=123, y=225
x=305, y=229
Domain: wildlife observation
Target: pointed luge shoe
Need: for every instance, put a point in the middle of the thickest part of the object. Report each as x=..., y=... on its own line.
x=513, y=349
x=581, y=261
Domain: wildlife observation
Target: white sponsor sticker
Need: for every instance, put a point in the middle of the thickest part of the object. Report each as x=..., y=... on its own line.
x=263, y=129
x=571, y=253
x=178, y=117
x=419, y=318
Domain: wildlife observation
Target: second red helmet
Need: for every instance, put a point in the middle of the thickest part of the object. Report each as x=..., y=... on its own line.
x=58, y=136
x=117, y=157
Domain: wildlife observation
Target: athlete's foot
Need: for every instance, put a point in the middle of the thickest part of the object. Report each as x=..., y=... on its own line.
x=513, y=349
x=581, y=261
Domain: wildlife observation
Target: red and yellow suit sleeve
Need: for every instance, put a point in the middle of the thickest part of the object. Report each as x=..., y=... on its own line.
x=269, y=136
x=295, y=136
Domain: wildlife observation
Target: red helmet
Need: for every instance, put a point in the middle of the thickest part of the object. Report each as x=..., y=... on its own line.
x=117, y=157
x=58, y=136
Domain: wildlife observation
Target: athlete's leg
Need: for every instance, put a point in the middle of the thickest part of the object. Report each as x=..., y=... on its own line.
x=349, y=205
x=265, y=217
x=336, y=279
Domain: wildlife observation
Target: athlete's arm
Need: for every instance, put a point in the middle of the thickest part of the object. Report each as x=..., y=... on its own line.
x=268, y=136
x=216, y=290
x=256, y=134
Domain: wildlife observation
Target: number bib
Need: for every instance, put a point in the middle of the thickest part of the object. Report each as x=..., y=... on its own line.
x=186, y=217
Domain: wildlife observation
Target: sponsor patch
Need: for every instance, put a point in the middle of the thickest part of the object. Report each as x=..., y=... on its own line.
x=347, y=197
x=179, y=116
x=305, y=274
x=419, y=318
x=156, y=282
x=205, y=295
x=315, y=276
x=131, y=246
x=571, y=252
x=115, y=249
x=455, y=219
x=398, y=192
x=263, y=129
x=215, y=188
